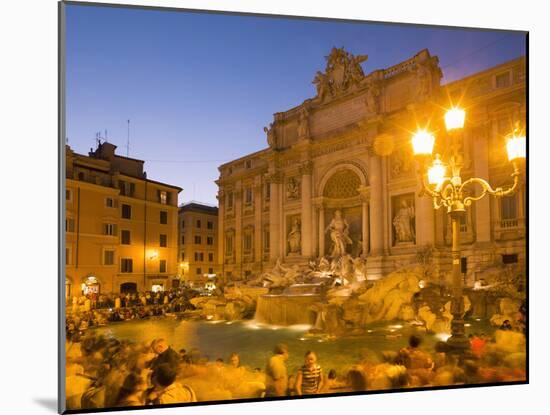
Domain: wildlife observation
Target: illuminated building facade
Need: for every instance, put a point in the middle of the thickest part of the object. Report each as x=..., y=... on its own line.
x=120, y=228
x=345, y=156
x=198, y=240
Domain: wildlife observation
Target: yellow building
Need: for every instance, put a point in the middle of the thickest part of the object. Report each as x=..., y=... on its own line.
x=198, y=239
x=120, y=226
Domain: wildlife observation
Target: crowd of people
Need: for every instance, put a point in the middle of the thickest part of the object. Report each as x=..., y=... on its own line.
x=94, y=301
x=105, y=372
x=93, y=310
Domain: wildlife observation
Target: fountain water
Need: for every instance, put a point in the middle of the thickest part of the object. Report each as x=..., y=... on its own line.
x=292, y=306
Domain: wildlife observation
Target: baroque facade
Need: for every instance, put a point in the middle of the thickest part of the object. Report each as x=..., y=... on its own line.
x=120, y=226
x=341, y=164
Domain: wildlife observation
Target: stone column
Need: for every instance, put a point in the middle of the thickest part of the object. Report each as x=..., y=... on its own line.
x=424, y=218
x=321, y=229
x=221, y=232
x=274, y=216
x=363, y=191
x=238, y=242
x=258, y=206
x=306, y=230
x=481, y=169
x=376, y=212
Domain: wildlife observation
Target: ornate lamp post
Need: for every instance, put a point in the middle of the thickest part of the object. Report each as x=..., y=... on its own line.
x=448, y=191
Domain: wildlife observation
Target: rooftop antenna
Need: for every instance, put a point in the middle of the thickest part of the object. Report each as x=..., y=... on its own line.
x=106, y=136
x=128, y=141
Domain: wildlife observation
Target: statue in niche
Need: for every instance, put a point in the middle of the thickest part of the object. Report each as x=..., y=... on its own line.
x=339, y=234
x=294, y=238
x=271, y=137
x=403, y=223
x=303, y=123
x=292, y=189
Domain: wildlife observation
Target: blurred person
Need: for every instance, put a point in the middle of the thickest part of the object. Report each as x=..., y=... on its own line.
x=132, y=392
x=309, y=380
x=276, y=372
x=165, y=388
x=165, y=354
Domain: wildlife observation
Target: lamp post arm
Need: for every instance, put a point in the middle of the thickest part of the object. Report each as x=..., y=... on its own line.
x=486, y=188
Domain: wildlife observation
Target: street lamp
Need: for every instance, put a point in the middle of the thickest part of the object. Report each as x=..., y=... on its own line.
x=449, y=191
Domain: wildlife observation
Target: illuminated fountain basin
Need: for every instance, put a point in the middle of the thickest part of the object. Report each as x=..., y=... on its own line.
x=254, y=342
x=291, y=307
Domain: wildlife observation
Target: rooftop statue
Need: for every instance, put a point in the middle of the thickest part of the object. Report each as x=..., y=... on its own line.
x=343, y=72
x=271, y=136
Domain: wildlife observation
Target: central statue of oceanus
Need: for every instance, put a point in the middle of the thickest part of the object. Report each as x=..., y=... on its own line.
x=339, y=234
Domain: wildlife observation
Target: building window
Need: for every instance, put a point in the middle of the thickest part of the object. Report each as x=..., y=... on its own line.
x=126, y=265
x=182, y=239
x=210, y=240
x=210, y=270
x=126, y=189
x=247, y=242
x=125, y=237
x=199, y=256
x=108, y=257
x=68, y=195
x=163, y=240
x=463, y=265
x=109, y=229
x=510, y=259
x=248, y=164
x=230, y=201
x=68, y=256
x=267, y=192
x=109, y=202
x=163, y=217
x=198, y=223
x=81, y=176
x=163, y=197
x=162, y=265
x=508, y=212
x=182, y=224
x=182, y=256
x=210, y=225
x=463, y=222
x=210, y=257
x=266, y=240
x=197, y=239
x=502, y=80
x=126, y=211
x=229, y=245
x=69, y=224
x=199, y=271
x=248, y=196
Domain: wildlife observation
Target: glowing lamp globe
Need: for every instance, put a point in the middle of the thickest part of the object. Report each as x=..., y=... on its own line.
x=436, y=173
x=423, y=143
x=516, y=147
x=454, y=119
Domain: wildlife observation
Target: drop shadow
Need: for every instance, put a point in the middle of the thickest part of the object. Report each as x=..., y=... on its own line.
x=48, y=403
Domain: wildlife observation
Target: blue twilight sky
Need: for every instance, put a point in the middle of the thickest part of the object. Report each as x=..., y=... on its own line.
x=198, y=88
